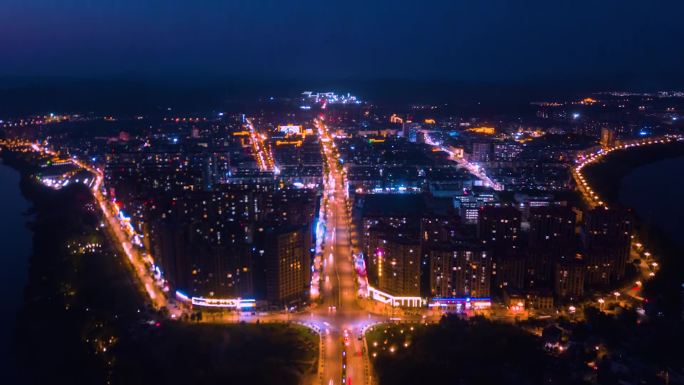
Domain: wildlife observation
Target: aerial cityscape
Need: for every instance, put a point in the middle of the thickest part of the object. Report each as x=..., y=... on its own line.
x=335, y=224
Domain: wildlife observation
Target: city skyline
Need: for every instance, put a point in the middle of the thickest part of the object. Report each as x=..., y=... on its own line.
x=330, y=211
x=342, y=193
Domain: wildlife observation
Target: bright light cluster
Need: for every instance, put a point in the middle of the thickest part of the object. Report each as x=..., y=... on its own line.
x=587, y=192
x=230, y=303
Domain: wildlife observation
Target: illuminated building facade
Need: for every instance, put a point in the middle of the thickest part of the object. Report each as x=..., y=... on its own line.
x=499, y=228
x=399, y=266
x=551, y=237
x=248, y=241
x=569, y=279
x=607, y=240
x=509, y=271
x=473, y=273
x=551, y=227
x=470, y=201
x=460, y=271
x=481, y=152
x=607, y=137
x=284, y=252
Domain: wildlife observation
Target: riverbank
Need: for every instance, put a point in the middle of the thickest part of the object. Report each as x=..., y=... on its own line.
x=84, y=322
x=76, y=299
x=655, y=192
x=16, y=251
x=606, y=177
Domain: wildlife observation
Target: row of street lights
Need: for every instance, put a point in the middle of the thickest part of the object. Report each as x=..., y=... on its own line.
x=593, y=199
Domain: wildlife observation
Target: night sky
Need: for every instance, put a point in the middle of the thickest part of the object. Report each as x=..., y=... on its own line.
x=611, y=43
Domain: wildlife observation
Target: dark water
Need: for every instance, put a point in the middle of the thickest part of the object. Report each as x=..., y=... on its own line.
x=656, y=192
x=15, y=249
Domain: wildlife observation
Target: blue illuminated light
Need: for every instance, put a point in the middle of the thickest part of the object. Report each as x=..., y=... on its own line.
x=245, y=303
x=182, y=295
x=223, y=302
x=123, y=216
x=460, y=299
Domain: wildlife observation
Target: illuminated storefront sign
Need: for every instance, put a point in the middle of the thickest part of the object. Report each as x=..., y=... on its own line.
x=461, y=304
x=229, y=303
x=389, y=299
x=290, y=129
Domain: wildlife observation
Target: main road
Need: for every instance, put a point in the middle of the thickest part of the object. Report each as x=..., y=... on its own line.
x=121, y=240
x=337, y=315
x=344, y=358
x=472, y=168
x=263, y=157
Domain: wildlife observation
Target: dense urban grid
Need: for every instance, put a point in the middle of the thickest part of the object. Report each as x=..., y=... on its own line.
x=367, y=223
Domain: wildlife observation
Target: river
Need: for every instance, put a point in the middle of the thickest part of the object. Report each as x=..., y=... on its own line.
x=15, y=239
x=655, y=191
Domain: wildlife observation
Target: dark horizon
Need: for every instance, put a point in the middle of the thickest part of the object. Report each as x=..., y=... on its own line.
x=399, y=51
x=132, y=94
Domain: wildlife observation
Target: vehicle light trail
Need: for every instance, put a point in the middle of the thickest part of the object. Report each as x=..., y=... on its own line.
x=472, y=168
x=339, y=307
x=261, y=154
